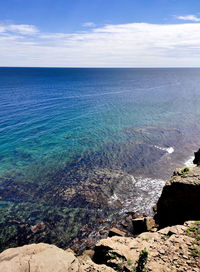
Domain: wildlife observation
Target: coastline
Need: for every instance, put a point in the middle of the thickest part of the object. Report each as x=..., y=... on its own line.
x=169, y=240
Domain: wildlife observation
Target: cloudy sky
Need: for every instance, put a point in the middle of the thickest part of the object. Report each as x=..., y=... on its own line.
x=100, y=33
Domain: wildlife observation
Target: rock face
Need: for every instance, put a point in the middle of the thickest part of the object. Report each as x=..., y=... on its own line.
x=179, y=200
x=197, y=157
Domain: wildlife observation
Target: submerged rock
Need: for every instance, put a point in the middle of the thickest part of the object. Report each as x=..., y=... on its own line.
x=38, y=227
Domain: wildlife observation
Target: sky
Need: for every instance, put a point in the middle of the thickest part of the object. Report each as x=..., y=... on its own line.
x=100, y=33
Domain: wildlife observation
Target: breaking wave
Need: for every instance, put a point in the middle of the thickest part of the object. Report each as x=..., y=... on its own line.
x=167, y=149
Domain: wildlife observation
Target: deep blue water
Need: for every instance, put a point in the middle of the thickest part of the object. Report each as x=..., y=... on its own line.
x=62, y=129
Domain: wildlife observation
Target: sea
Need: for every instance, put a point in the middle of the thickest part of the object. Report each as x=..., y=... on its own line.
x=78, y=145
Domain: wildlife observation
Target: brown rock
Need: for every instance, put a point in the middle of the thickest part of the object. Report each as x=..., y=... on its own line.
x=102, y=221
x=38, y=258
x=128, y=219
x=116, y=232
x=70, y=250
x=103, y=232
x=38, y=227
x=150, y=223
x=164, y=253
x=89, y=253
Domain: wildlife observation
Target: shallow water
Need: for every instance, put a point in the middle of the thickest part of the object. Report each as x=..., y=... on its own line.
x=81, y=144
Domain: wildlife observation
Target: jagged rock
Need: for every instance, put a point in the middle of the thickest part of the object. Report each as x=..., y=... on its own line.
x=116, y=232
x=178, y=229
x=197, y=157
x=177, y=172
x=86, y=264
x=165, y=252
x=179, y=200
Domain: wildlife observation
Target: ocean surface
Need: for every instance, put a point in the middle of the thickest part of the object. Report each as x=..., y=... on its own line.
x=77, y=145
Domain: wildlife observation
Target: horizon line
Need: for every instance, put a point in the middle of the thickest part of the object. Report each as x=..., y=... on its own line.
x=101, y=67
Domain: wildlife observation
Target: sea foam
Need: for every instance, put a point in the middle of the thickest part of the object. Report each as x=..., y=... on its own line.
x=189, y=162
x=140, y=195
x=167, y=149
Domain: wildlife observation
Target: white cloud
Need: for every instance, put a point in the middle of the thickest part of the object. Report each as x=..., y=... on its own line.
x=125, y=45
x=89, y=24
x=21, y=29
x=190, y=17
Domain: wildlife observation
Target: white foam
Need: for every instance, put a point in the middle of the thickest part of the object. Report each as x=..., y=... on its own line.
x=137, y=194
x=167, y=149
x=189, y=162
x=148, y=192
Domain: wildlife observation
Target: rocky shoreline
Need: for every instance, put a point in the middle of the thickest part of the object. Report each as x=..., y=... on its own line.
x=168, y=242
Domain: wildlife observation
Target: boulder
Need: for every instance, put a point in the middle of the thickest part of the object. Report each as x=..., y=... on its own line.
x=116, y=232
x=143, y=224
x=179, y=200
x=38, y=258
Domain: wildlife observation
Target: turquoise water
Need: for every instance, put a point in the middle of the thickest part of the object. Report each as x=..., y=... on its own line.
x=85, y=129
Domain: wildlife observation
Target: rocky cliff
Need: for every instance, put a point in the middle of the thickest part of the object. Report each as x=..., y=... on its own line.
x=180, y=199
